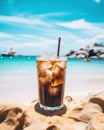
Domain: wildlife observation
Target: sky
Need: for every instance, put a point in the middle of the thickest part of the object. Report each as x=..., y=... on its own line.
x=32, y=27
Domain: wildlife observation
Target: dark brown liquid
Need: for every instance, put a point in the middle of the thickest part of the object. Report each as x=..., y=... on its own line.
x=51, y=91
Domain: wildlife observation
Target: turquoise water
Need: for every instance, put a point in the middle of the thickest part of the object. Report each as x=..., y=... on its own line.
x=16, y=65
x=18, y=77
x=79, y=66
x=26, y=65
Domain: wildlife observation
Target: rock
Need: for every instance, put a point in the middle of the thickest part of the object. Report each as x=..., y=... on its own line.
x=80, y=56
x=96, y=123
x=91, y=51
x=72, y=55
x=94, y=57
x=101, y=56
x=85, y=113
x=98, y=99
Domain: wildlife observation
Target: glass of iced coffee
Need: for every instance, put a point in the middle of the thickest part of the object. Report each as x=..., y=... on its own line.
x=51, y=81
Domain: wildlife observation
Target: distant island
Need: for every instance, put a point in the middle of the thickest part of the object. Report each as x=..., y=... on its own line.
x=94, y=51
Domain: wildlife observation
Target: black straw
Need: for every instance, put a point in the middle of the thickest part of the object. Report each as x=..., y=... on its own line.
x=58, y=51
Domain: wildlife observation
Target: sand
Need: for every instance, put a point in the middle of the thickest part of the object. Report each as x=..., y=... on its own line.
x=79, y=113
x=26, y=89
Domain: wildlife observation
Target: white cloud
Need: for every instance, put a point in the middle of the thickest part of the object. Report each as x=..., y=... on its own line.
x=40, y=19
x=83, y=42
x=77, y=24
x=99, y=38
x=33, y=48
x=31, y=36
x=86, y=29
x=21, y=42
x=21, y=20
x=52, y=14
x=83, y=33
x=5, y=35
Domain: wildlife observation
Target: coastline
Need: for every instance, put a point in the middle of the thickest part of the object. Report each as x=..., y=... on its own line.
x=25, y=89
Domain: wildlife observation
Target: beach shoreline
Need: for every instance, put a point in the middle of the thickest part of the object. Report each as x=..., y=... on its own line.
x=15, y=90
x=26, y=89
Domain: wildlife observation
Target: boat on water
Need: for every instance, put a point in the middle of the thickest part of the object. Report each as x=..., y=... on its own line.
x=11, y=52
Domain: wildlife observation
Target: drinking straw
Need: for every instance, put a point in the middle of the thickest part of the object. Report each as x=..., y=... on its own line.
x=58, y=50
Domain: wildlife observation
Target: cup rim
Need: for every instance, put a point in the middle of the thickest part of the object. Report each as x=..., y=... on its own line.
x=59, y=58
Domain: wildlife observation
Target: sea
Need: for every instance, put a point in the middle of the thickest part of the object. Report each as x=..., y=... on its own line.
x=18, y=77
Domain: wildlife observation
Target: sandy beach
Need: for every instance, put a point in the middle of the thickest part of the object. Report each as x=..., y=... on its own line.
x=84, y=113
x=19, y=106
x=25, y=89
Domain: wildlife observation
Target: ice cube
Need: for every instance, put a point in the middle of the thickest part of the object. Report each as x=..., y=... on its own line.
x=56, y=70
x=57, y=82
x=61, y=64
x=45, y=65
x=43, y=80
x=43, y=56
x=55, y=87
x=46, y=56
x=53, y=90
x=53, y=56
x=49, y=74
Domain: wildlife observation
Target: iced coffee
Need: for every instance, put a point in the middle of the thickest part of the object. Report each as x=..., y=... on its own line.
x=51, y=82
